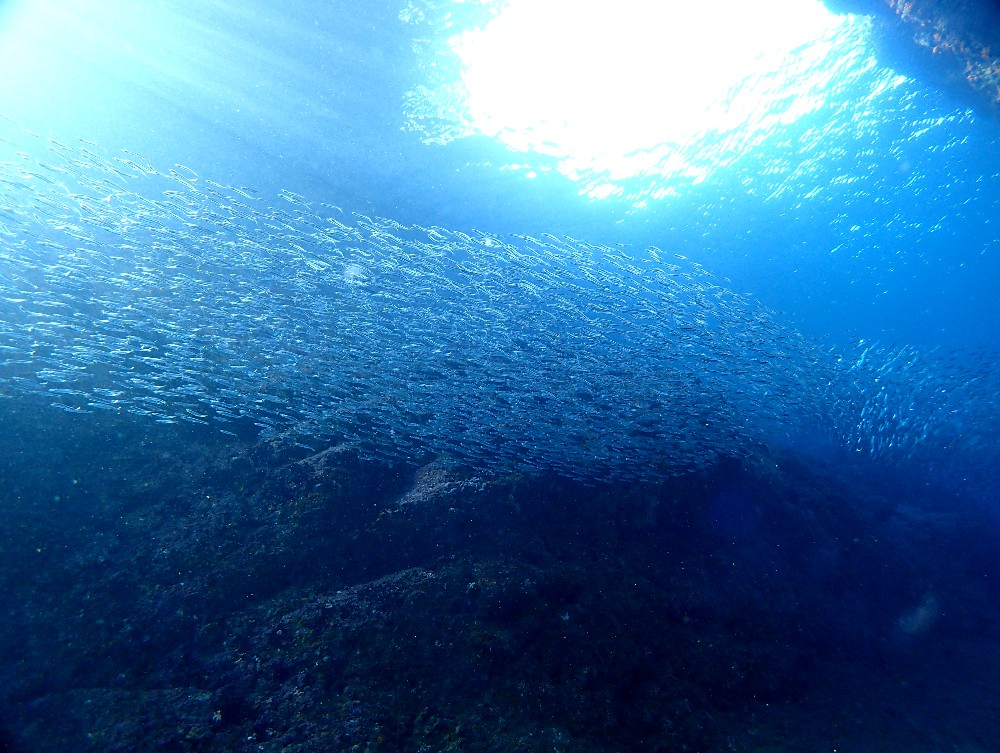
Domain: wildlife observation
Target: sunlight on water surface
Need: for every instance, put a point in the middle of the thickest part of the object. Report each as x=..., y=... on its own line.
x=638, y=88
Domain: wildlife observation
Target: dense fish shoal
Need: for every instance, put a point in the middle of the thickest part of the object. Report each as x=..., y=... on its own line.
x=161, y=293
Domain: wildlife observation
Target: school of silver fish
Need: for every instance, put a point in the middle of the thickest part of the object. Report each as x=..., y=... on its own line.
x=160, y=293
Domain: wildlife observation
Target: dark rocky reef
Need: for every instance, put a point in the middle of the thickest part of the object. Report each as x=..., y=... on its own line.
x=166, y=592
x=954, y=46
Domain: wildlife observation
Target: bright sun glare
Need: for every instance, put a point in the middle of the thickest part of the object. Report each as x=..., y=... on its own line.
x=593, y=84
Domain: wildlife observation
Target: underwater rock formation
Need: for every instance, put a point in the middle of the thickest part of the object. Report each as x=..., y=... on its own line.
x=188, y=594
x=954, y=46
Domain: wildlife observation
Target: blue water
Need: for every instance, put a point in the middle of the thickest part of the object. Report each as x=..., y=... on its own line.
x=831, y=282
x=240, y=241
